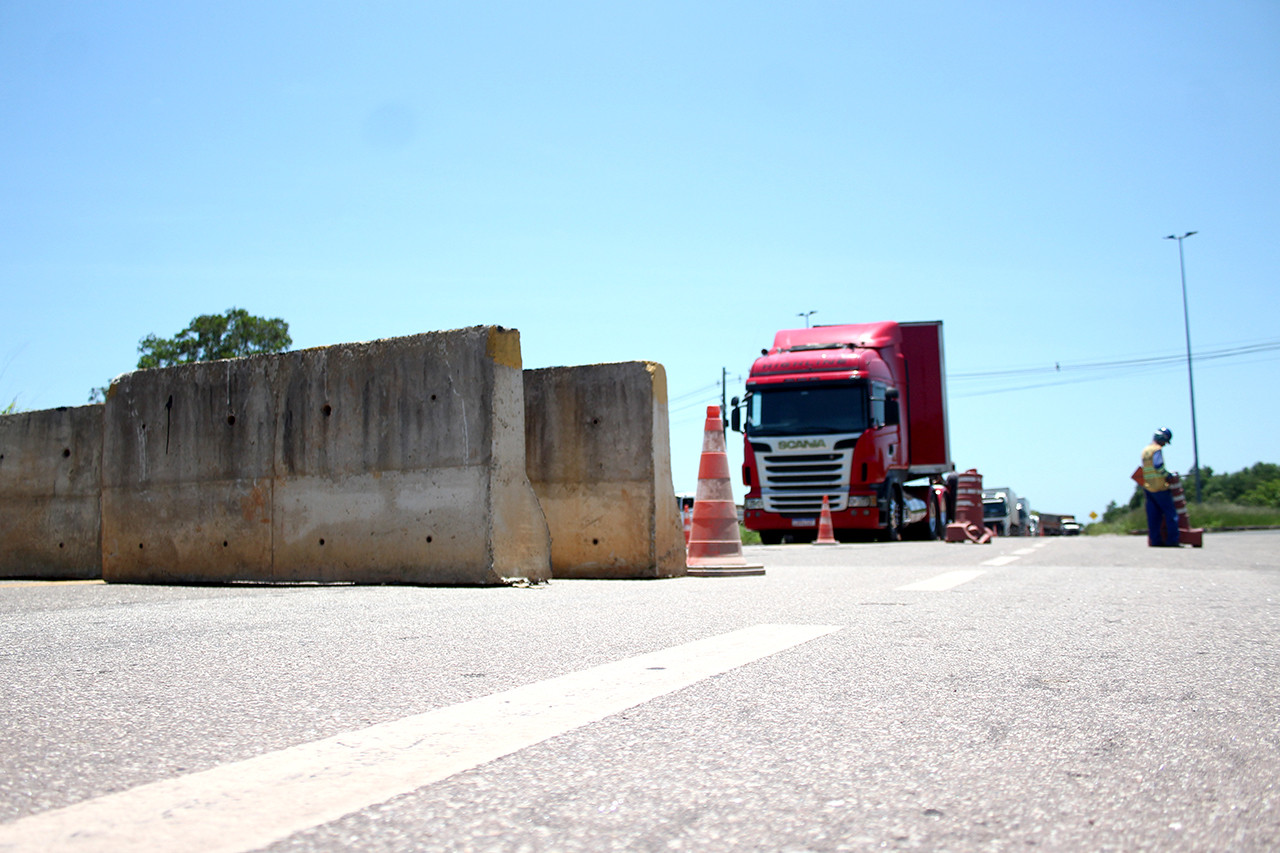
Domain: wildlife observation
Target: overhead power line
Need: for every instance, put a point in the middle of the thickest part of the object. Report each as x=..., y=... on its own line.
x=1074, y=372
x=968, y=383
x=1061, y=367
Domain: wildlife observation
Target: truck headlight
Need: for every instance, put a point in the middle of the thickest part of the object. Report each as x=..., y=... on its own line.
x=753, y=503
x=862, y=500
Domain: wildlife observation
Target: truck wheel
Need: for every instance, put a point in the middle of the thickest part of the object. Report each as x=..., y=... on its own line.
x=893, y=533
x=934, y=529
x=770, y=537
x=926, y=529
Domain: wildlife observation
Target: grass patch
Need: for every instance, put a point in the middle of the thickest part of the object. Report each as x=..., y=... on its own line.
x=1210, y=516
x=749, y=537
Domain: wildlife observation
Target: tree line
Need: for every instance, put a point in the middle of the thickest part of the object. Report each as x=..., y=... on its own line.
x=210, y=337
x=1258, y=485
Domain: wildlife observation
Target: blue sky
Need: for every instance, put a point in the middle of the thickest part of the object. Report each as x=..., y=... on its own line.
x=673, y=182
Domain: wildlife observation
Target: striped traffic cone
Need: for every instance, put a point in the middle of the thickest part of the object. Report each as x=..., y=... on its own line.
x=715, y=545
x=826, y=532
x=1187, y=535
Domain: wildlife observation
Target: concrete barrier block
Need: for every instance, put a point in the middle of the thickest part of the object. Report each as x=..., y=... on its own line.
x=50, y=516
x=598, y=454
x=394, y=461
x=188, y=473
x=402, y=461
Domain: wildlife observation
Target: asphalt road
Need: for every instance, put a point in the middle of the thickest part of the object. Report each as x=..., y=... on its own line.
x=1059, y=693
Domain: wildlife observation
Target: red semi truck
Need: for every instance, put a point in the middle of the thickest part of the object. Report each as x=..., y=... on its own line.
x=855, y=413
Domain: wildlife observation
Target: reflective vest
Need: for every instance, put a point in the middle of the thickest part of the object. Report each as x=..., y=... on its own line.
x=1153, y=470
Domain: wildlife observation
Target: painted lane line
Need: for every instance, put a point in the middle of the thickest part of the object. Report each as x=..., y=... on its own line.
x=1000, y=561
x=251, y=804
x=25, y=584
x=1022, y=552
x=943, y=582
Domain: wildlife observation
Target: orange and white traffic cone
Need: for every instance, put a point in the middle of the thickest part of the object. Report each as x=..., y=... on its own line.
x=715, y=545
x=826, y=532
x=1193, y=536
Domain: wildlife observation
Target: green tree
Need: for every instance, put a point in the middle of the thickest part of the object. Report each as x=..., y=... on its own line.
x=1265, y=494
x=210, y=337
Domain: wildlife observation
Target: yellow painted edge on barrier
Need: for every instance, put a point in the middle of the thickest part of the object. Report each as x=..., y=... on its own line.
x=504, y=347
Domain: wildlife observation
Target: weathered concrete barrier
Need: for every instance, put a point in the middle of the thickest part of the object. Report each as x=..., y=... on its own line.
x=50, y=520
x=599, y=457
x=395, y=461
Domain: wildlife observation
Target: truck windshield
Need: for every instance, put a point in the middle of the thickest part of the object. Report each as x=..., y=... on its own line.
x=812, y=409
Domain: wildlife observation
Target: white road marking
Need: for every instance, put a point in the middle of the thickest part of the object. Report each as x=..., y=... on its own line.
x=1022, y=552
x=943, y=582
x=251, y=804
x=1000, y=561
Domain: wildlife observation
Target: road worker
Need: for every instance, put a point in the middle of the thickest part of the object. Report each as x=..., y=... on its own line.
x=1162, y=518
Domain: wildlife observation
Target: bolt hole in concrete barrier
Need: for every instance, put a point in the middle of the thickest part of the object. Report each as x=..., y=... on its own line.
x=326, y=410
x=322, y=543
x=139, y=546
x=433, y=397
x=231, y=420
x=61, y=544
x=595, y=541
x=428, y=540
x=66, y=452
x=224, y=543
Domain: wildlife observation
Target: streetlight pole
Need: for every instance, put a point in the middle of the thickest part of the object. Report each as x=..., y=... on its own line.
x=1186, y=319
x=806, y=315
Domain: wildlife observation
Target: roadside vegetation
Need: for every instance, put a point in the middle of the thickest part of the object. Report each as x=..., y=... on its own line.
x=1246, y=498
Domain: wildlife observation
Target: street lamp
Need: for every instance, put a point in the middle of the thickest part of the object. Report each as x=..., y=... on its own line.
x=806, y=315
x=1186, y=319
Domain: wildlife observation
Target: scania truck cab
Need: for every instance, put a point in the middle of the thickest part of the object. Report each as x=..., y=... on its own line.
x=852, y=413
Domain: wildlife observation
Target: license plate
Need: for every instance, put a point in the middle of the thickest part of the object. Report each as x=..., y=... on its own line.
x=804, y=522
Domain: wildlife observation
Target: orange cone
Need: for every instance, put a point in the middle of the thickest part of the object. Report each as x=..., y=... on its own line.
x=715, y=546
x=1187, y=535
x=826, y=533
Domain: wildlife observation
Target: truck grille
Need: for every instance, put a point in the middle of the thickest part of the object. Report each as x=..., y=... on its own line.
x=795, y=483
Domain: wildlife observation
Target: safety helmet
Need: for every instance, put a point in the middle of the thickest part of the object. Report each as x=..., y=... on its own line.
x=1163, y=435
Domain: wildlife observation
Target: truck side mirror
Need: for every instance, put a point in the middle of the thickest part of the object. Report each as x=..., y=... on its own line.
x=735, y=415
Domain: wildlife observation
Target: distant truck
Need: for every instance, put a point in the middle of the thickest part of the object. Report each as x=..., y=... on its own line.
x=1005, y=512
x=856, y=414
x=1058, y=525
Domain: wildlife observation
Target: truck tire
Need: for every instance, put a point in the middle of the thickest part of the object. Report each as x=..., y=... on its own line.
x=934, y=528
x=770, y=537
x=953, y=487
x=897, y=511
x=929, y=527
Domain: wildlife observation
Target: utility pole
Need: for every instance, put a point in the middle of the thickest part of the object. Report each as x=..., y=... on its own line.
x=1186, y=319
x=724, y=410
